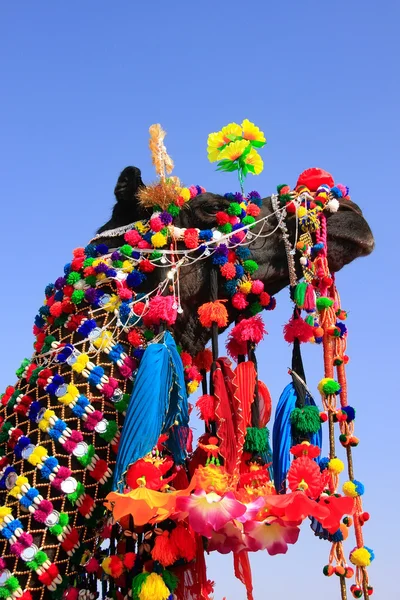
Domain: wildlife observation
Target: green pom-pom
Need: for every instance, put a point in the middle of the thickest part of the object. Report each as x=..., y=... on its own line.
x=4, y=431
x=63, y=519
x=88, y=262
x=155, y=255
x=25, y=363
x=61, y=320
x=41, y=557
x=122, y=405
x=250, y=266
x=4, y=593
x=137, y=583
x=73, y=497
x=12, y=584
x=255, y=308
x=126, y=249
x=56, y=529
x=117, y=264
x=234, y=209
x=323, y=303
x=77, y=296
x=309, y=320
x=86, y=459
x=329, y=387
x=110, y=432
x=248, y=220
x=305, y=420
x=300, y=293
x=227, y=228
x=34, y=377
x=91, y=280
x=256, y=440
x=285, y=198
x=148, y=334
x=173, y=210
x=170, y=580
x=73, y=277
x=48, y=340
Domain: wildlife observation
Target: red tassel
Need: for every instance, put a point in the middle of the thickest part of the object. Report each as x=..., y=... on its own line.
x=164, y=550
x=206, y=407
x=309, y=299
x=185, y=542
x=243, y=571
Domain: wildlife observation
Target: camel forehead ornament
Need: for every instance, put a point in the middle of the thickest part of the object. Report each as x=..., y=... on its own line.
x=95, y=439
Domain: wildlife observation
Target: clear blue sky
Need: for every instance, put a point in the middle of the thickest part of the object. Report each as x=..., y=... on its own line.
x=81, y=83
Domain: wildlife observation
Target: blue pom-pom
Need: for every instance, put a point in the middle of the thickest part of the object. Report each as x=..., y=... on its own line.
x=272, y=304
x=111, y=273
x=67, y=268
x=39, y=321
x=206, y=235
x=199, y=190
x=323, y=463
x=342, y=327
x=359, y=487
x=336, y=192
x=237, y=226
x=86, y=327
x=337, y=536
x=134, y=279
x=372, y=553
x=219, y=259
x=231, y=287
x=59, y=296
x=350, y=412
x=49, y=290
x=90, y=251
x=101, y=249
x=44, y=311
x=147, y=236
x=239, y=271
x=138, y=353
x=229, y=196
x=34, y=410
x=243, y=253
x=135, y=255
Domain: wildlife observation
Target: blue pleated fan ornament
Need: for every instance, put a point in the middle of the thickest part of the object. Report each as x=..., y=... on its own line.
x=158, y=404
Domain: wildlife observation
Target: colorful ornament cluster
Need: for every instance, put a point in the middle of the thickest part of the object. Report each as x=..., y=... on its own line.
x=168, y=498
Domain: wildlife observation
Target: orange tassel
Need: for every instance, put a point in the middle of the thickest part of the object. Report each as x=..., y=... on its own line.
x=213, y=312
x=164, y=551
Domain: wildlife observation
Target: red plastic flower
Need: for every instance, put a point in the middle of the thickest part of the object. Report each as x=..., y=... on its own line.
x=305, y=449
x=305, y=474
x=295, y=507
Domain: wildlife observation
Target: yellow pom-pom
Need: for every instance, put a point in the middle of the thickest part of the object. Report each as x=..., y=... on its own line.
x=38, y=456
x=101, y=276
x=127, y=266
x=245, y=287
x=49, y=414
x=154, y=588
x=301, y=211
x=158, y=239
x=4, y=511
x=141, y=227
x=44, y=424
x=104, y=340
x=192, y=386
x=335, y=465
x=112, y=304
x=185, y=194
x=81, y=362
x=360, y=557
x=106, y=565
x=350, y=489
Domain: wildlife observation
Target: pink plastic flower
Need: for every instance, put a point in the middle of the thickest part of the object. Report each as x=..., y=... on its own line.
x=252, y=508
x=210, y=512
x=271, y=535
x=226, y=540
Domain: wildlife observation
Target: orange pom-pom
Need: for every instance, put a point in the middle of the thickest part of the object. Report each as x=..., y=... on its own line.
x=164, y=550
x=185, y=542
x=213, y=312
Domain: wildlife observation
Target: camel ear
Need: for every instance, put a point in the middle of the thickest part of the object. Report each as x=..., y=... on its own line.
x=128, y=184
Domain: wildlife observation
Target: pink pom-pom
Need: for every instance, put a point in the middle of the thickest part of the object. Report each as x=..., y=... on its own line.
x=249, y=330
x=161, y=309
x=193, y=374
x=233, y=220
x=156, y=224
x=236, y=348
x=239, y=235
x=239, y=301
x=25, y=539
x=132, y=237
x=143, y=245
x=342, y=188
x=193, y=191
x=257, y=286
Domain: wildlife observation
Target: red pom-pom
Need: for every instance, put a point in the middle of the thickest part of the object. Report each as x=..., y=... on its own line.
x=138, y=308
x=236, y=348
x=135, y=338
x=146, y=266
x=161, y=309
x=186, y=359
x=297, y=328
x=222, y=218
x=213, y=312
x=265, y=298
x=129, y=560
x=203, y=360
x=56, y=309
x=231, y=256
x=191, y=238
x=92, y=565
x=192, y=374
x=314, y=177
x=116, y=566
x=132, y=237
x=206, y=407
x=78, y=252
x=228, y=270
x=239, y=301
x=253, y=210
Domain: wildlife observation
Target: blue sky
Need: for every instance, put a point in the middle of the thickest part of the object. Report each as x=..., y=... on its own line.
x=82, y=82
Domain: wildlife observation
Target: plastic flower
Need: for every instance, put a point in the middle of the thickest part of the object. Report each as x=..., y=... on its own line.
x=253, y=133
x=234, y=150
x=210, y=512
x=305, y=474
x=143, y=504
x=228, y=539
x=253, y=163
x=217, y=141
x=271, y=535
x=295, y=507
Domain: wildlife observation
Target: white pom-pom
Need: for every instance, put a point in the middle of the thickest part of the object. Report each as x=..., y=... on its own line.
x=303, y=260
x=217, y=235
x=332, y=205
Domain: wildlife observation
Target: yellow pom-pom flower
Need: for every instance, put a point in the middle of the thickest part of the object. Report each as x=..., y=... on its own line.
x=335, y=465
x=105, y=340
x=154, y=588
x=127, y=266
x=301, y=211
x=360, y=557
x=81, y=362
x=39, y=455
x=4, y=512
x=349, y=489
x=142, y=227
x=158, y=239
x=253, y=133
x=185, y=194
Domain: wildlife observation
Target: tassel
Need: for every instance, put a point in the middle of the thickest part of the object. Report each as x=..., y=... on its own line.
x=213, y=312
x=243, y=571
x=206, y=407
x=164, y=550
x=154, y=588
x=300, y=294
x=185, y=542
x=309, y=300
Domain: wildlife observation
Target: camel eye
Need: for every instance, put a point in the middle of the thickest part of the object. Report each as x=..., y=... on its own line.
x=211, y=209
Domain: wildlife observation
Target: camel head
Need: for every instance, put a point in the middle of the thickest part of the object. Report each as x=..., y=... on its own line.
x=349, y=237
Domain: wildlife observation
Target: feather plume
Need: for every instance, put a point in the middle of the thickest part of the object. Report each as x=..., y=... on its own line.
x=162, y=162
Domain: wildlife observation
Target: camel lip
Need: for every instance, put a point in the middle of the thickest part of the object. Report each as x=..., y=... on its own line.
x=367, y=244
